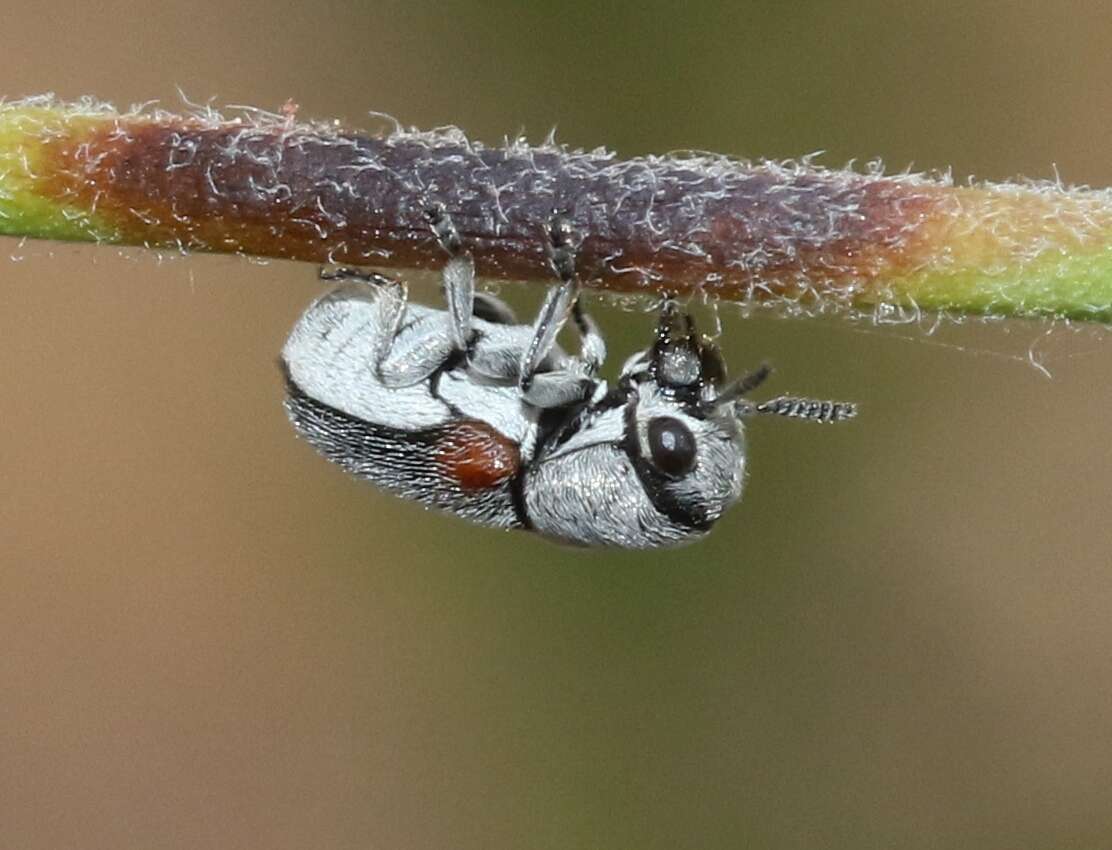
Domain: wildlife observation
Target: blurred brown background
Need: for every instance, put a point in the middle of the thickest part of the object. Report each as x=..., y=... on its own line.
x=210, y=638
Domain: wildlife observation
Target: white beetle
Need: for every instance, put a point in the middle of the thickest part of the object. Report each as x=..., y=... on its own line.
x=467, y=411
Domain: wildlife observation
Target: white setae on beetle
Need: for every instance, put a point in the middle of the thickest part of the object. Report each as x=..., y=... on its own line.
x=468, y=411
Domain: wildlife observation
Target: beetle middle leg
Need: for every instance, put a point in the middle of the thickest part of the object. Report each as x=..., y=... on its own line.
x=464, y=303
x=457, y=278
x=571, y=378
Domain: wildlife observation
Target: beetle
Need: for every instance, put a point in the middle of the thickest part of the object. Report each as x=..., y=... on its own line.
x=468, y=411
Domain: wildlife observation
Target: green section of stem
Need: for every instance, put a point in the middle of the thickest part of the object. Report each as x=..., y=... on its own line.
x=22, y=215
x=1077, y=287
x=22, y=211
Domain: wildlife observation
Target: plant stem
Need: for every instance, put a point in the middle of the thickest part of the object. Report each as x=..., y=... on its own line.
x=794, y=235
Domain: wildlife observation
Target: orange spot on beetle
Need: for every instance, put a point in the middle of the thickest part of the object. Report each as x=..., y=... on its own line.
x=476, y=456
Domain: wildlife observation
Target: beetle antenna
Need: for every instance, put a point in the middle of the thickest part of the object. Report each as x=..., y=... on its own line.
x=807, y=409
x=746, y=383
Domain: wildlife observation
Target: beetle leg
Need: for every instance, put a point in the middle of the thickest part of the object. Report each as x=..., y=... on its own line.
x=592, y=347
x=389, y=297
x=457, y=278
x=394, y=364
x=347, y=273
x=459, y=287
x=569, y=384
x=555, y=379
x=553, y=314
x=493, y=310
x=414, y=358
x=572, y=378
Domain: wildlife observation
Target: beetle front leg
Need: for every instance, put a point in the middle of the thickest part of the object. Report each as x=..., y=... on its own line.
x=550, y=320
x=572, y=378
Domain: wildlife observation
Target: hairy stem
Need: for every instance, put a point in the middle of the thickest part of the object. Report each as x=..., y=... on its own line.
x=789, y=234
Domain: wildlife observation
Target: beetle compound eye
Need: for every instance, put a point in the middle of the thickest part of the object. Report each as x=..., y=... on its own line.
x=672, y=446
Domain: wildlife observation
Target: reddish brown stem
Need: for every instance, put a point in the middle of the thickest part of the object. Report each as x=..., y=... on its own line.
x=649, y=224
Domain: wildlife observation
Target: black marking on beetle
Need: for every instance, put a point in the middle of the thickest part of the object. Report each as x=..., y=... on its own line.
x=400, y=462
